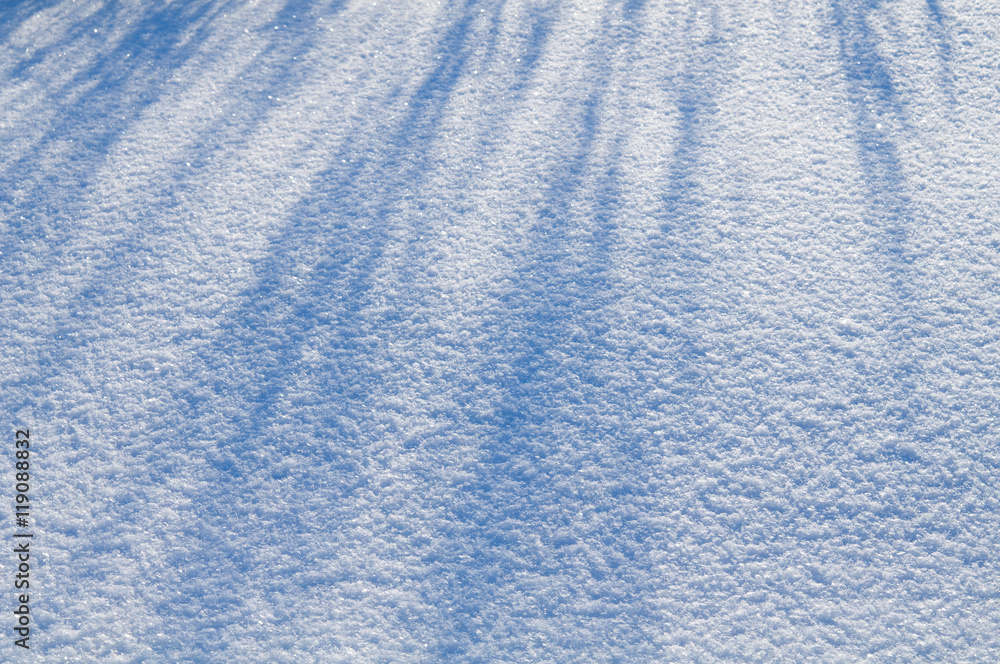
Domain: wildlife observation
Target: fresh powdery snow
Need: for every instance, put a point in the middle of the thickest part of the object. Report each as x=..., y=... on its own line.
x=377, y=331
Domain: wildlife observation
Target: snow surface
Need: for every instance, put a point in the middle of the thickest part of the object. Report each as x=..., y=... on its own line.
x=504, y=331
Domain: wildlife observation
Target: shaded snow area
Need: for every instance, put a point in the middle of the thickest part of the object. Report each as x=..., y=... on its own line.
x=503, y=331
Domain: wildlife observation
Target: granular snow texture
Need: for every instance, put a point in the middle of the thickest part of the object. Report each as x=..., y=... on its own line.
x=503, y=331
